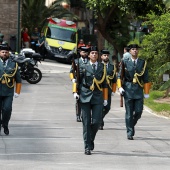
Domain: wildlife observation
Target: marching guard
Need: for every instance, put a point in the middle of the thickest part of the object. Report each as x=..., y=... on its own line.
x=111, y=81
x=74, y=75
x=9, y=77
x=133, y=84
x=93, y=95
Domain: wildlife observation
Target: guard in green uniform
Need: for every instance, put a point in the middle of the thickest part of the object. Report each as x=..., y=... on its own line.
x=93, y=95
x=132, y=75
x=73, y=74
x=111, y=81
x=126, y=53
x=9, y=76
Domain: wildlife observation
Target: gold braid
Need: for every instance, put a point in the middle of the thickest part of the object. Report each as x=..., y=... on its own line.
x=108, y=78
x=7, y=76
x=97, y=82
x=136, y=75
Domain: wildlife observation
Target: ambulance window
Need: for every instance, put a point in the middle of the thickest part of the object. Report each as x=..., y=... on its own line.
x=49, y=33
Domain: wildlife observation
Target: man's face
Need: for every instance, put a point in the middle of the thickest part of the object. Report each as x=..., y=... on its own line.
x=105, y=57
x=93, y=56
x=81, y=42
x=4, y=54
x=83, y=54
x=134, y=52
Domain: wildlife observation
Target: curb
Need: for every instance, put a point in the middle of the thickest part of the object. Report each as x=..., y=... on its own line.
x=153, y=113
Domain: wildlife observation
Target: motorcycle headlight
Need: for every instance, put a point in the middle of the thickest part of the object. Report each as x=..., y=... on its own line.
x=47, y=46
x=32, y=62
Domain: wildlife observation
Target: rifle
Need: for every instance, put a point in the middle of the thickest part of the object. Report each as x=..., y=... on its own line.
x=122, y=78
x=77, y=77
x=78, y=109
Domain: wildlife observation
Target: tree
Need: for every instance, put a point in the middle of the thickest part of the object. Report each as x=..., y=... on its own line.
x=113, y=17
x=156, y=47
x=34, y=12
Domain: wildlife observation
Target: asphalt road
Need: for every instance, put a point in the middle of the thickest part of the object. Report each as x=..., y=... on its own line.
x=44, y=134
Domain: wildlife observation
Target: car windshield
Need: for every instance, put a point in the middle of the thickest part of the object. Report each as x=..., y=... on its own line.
x=61, y=34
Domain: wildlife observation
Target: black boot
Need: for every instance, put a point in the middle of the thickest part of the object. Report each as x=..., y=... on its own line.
x=6, y=130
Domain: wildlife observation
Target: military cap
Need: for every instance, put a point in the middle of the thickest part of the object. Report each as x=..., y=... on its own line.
x=93, y=48
x=105, y=52
x=4, y=47
x=84, y=48
x=5, y=43
x=127, y=48
x=133, y=46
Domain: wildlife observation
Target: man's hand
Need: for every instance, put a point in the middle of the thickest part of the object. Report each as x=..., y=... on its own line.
x=146, y=96
x=16, y=95
x=105, y=102
x=76, y=96
x=121, y=90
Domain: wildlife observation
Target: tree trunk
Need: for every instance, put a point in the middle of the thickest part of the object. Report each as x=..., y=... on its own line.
x=167, y=92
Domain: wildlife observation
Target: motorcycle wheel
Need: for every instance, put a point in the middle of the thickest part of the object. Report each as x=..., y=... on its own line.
x=35, y=75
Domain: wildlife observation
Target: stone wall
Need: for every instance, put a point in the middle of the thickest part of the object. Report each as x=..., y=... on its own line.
x=8, y=18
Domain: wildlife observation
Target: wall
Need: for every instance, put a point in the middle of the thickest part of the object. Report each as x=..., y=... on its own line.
x=8, y=18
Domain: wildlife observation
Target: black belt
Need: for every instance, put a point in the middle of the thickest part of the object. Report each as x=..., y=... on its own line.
x=128, y=80
x=86, y=86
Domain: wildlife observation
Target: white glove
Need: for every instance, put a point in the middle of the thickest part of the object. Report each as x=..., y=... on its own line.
x=146, y=96
x=113, y=93
x=16, y=95
x=121, y=90
x=105, y=102
x=76, y=96
x=73, y=80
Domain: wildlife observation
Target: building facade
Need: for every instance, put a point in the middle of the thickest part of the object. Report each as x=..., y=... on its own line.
x=9, y=18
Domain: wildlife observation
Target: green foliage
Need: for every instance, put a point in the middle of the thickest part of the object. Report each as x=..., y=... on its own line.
x=165, y=86
x=34, y=12
x=156, y=46
x=165, y=67
x=167, y=4
x=113, y=17
x=155, y=106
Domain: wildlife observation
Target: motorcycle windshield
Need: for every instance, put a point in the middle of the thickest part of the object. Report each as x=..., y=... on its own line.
x=61, y=34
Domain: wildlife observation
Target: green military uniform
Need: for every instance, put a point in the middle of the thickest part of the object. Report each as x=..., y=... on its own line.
x=9, y=74
x=91, y=99
x=133, y=88
x=73, y=71
x=111, y=79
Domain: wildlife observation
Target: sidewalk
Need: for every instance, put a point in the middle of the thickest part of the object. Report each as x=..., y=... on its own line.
x=44, y=134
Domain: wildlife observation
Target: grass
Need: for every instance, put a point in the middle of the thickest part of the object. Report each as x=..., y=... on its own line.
x=157, y=103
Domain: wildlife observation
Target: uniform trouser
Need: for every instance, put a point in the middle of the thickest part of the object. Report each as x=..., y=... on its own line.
x=91, y=118
x=106, y=109
x=134, y=108
x=5, y=109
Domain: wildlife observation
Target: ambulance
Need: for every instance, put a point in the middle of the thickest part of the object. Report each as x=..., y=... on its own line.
x=61, y=38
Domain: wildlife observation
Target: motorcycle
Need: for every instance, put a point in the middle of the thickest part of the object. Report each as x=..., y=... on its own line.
x=28, y=63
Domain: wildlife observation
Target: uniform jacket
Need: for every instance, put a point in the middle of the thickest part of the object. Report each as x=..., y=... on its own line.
x=80, y=63
x=110, y=72
x=133, y=91
x=9, y=69
x=86, y=78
